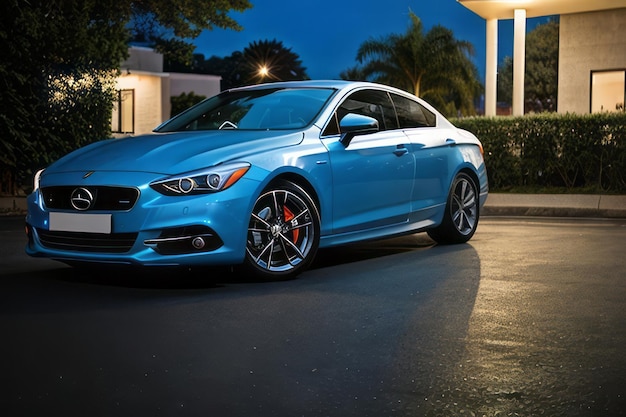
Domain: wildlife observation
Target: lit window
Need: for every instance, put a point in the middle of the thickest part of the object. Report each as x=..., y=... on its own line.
x=607, y=90
x=123, y=118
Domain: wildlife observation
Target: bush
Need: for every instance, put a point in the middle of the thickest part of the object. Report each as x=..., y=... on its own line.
x=576, y=153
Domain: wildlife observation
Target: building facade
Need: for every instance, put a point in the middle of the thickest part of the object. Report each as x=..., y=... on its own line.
x=592, y=51
x=145, y=91
x=592, y=61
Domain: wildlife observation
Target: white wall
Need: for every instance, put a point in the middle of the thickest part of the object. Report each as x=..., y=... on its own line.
x=143, y=59
x=143, y=72
x=148, y=99
x=588, y=42
x=200, y=84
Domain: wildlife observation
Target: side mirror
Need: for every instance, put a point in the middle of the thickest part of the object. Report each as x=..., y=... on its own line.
x=353, y=124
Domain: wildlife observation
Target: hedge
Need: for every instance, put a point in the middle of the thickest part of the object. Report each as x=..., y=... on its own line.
x=550, y=151
x=576, y=153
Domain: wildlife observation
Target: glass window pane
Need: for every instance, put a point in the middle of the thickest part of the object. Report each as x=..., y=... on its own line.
x=607, y=91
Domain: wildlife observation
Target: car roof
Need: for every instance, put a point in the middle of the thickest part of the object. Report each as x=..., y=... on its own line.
x=299, y=83
x=324, y=83
x=345, y=86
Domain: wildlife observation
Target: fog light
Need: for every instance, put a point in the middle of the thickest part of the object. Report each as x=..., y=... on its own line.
x=198, y=242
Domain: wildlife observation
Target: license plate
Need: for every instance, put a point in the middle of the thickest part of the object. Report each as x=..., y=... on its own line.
x=80, y=222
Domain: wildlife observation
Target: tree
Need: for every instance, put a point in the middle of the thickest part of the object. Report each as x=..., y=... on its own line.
x=260, y=61
x=353, y=74
x=505, y=81
x=229, y=69
x=185, y=18
x=177, y=54
x=541, y=70
x=265, y=61
x=224, y=67
x=57, y=69
x=60, y=62
x=168, y=25
x=434, y=66
x=184, y=101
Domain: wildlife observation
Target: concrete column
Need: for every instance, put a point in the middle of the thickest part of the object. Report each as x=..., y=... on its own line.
x=519, y=58
x=491, y=68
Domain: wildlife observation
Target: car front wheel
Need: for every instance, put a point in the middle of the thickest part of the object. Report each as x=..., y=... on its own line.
x=283, y=232
x=460, y=218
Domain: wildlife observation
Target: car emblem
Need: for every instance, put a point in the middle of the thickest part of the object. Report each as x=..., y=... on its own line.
x=88, y=174
x=81, y=199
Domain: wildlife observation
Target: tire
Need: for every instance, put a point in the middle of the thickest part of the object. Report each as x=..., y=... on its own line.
x=460, y=218
x=283, y=232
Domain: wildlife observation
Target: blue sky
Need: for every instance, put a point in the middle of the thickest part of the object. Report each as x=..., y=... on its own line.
x=326, y=34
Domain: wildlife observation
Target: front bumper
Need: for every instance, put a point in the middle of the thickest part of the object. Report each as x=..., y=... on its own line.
x=195, y=230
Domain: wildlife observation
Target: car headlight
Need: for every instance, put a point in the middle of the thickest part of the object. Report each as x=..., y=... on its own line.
x=36, y=179
x=208, y=180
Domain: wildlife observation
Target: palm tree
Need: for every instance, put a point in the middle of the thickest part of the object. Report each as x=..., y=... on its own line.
x=435, y=66
x=267, y=61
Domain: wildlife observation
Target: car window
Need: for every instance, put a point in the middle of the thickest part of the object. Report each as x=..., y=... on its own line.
x=268, y=108
x=372, y=103
x=411, y=113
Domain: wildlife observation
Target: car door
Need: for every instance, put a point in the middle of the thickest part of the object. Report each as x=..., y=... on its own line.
x=430, y=144
x=373, y=175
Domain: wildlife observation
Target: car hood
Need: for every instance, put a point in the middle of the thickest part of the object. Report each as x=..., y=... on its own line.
x=173, y=153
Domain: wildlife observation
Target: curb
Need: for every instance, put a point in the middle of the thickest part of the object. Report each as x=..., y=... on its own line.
x=551, y=212
x=555, y=205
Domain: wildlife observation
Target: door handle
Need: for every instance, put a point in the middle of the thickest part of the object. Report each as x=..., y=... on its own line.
x=400, y=150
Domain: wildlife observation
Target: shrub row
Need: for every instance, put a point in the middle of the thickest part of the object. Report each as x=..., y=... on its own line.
x=576, y=153
x=545, y=151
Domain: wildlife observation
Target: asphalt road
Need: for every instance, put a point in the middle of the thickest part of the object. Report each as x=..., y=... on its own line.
x=528, y=319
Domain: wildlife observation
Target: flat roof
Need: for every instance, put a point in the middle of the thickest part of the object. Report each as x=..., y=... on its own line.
x=504, y=9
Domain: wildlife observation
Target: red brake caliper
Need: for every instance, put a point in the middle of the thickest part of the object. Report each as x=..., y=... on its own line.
x=288, y=216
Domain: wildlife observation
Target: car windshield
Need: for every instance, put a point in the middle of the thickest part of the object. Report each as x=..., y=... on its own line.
x=252, y=109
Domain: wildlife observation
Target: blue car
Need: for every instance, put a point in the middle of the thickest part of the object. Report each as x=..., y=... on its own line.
x=261, y=177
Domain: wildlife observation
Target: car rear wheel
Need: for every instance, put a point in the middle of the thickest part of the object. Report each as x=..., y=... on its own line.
x=283, y=233
x=460, y=218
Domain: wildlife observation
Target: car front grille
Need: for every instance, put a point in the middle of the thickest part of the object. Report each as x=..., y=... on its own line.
x=87, y=242
x=104, y=198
